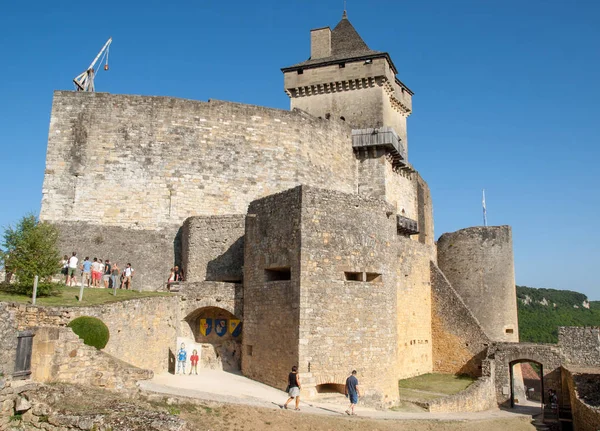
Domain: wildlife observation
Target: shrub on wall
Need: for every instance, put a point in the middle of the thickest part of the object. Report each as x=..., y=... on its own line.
x=93, y=331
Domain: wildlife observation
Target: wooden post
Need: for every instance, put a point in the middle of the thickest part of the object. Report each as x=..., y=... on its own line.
x=35, y=283
x=81, y=290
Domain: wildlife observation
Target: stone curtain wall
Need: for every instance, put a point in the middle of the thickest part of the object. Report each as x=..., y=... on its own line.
x=213, y=248
x=459, y=341
x=8, y=339
x=580, y=345
x=425, y=220
x=141, y=330
x=271, y=306
x=479, y=264
x=346, y=325
x=479, y=396
x=144, y=162
x=152, y=253
x=583, y=385
x=415, y=341
x=59, y=355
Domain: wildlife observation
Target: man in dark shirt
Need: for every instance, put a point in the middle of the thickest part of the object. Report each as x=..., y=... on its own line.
x=352, y=392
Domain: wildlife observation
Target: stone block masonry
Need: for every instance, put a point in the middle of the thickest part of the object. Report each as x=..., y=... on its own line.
x=145, y=162
x=59, y=355
x=213, y=248
x=141, y=330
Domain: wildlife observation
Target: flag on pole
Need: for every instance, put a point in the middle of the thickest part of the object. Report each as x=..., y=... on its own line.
x=484, y=209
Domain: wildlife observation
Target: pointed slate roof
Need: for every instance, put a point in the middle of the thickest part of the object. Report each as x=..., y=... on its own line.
x=346, y=44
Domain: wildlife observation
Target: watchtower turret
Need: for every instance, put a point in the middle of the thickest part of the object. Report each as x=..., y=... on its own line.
x=345, y=79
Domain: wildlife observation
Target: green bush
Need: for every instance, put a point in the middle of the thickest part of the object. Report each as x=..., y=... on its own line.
x=93, y=331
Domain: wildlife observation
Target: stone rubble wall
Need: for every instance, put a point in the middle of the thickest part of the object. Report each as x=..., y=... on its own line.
x=59, y=355
x=459, y=341
x=584, y=393
x=478, y=397
x=581, y=345
x=141, y=330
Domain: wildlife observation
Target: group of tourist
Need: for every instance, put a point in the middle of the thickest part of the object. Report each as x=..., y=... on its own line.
x=293, y=389
x=96, y=273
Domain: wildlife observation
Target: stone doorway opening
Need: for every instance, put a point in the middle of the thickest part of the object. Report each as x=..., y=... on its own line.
x=331, y=388
x=218, y=337
x=526, y=383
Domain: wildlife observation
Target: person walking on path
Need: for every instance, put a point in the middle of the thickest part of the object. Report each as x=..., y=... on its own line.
x=293, y=388
x=86, y=271
x=352, y=392
x=107, y=273
x=128, y=275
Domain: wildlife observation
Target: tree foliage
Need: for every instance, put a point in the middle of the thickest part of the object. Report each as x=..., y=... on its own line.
x=29, y=249
x=542, y=311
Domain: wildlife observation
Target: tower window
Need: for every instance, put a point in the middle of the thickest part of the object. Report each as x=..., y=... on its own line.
x=342, y=65
x=300, y=71
x=509, y=331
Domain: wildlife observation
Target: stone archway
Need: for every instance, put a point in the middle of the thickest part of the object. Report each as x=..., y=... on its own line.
x=217, y=333
x=531, y=388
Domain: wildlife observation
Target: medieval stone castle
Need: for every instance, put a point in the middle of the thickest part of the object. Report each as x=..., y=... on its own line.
x=309, y=226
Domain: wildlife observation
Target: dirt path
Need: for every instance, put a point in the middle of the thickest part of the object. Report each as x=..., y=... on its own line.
x=265, y=401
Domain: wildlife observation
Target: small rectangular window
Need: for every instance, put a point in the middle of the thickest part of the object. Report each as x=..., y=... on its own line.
x=249, y=350
x=509, y=331
x=300, y=71
x=373, y=277
x=353, y=276
x=342, y=65
x=278, y=274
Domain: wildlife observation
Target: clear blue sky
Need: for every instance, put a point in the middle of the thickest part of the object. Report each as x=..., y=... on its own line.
x=506, y=97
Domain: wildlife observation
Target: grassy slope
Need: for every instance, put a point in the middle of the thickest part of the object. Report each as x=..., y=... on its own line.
x=68, y=297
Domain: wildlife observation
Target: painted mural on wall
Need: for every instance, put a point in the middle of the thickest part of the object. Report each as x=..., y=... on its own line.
x=221, y=327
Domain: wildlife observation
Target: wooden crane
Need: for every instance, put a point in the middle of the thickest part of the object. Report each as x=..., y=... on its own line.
x=85, y=80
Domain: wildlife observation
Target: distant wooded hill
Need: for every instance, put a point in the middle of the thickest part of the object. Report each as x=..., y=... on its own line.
x=542, y=311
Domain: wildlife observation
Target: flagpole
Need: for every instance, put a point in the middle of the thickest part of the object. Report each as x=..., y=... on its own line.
x=484, y=209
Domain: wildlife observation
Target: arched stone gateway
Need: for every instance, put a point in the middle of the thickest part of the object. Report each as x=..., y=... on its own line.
x=525, y=383
x=506, y=355
x=217, y=335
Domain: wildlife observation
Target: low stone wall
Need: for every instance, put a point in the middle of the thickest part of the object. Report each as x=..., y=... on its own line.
x=584, y=393
x=59, y=355
x=141, y=330
x=478, y=397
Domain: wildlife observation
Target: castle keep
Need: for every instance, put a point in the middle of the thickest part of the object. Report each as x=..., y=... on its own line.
x=309, y=226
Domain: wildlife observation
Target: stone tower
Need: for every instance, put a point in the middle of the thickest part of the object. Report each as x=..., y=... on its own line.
x=479, y=263
x=345, y=79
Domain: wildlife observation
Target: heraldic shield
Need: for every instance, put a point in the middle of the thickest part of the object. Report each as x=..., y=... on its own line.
x=221, y=327
x=235, y=327
x=205, y=326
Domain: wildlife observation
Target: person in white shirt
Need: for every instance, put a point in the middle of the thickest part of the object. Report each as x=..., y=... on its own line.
x=71, y=278
x=127, y=276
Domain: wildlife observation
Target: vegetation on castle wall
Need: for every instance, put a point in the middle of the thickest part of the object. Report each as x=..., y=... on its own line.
x=542, y=311
x=93, y=331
